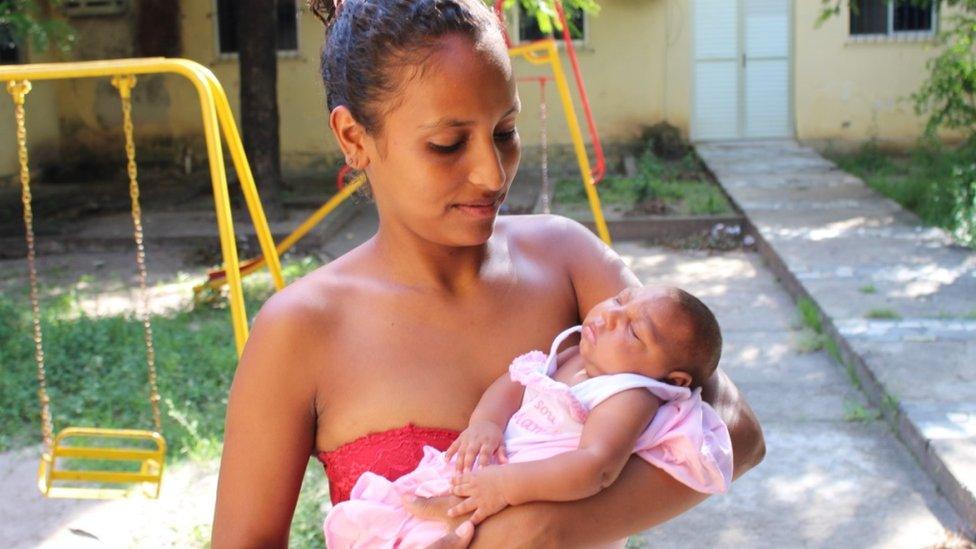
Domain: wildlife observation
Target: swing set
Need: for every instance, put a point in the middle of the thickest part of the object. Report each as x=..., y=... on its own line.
x=98, y=462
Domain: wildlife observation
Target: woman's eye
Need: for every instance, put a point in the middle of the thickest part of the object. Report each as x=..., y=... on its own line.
x=506, y=136
x=446, y=149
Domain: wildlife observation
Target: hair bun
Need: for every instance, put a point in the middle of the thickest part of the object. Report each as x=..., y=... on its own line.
x=325, y=10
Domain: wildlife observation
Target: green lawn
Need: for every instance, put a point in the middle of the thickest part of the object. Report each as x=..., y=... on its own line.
x=935, y=182
x=96, y=373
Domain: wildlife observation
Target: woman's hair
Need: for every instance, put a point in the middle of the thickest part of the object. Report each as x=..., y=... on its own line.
x=368, y=39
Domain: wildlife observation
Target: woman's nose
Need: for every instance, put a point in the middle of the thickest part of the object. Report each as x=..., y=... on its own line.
x=487, y=170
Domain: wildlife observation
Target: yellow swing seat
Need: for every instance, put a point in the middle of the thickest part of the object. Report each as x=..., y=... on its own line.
x=147, y=449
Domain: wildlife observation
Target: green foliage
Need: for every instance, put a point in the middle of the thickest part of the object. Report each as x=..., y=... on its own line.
x=935, y=182
x=670, y=183
x=34, y=21
x=948, y=96
x=868, y=289
x=96, y=368
x=545, y=13
x=809, y=314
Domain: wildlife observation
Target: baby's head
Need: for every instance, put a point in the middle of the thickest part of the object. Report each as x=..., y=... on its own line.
x=663, y=333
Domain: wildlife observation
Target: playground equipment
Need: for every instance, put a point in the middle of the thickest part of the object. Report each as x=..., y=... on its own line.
x=217, y=278
x=542, y=52
x=146, y=449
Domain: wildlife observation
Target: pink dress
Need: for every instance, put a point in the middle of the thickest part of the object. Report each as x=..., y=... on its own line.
x=685, y=438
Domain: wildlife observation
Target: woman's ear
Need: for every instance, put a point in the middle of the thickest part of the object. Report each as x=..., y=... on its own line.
x=351, y=136
x=679, y=378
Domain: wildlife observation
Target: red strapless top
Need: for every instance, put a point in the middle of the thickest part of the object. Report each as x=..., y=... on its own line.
x=390, y=454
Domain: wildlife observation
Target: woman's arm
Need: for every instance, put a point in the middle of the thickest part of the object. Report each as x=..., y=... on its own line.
x=607, y=440
x=270, y=429
x=598, y=272
x=643, y=496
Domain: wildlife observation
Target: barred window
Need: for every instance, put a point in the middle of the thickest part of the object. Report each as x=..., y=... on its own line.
x=887, y=17
x=227, y=26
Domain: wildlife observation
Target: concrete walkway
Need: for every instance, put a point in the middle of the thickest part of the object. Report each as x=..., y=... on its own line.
x=831, y=477
x=898, y=298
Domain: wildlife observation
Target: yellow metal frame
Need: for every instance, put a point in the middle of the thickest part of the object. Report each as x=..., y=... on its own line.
x=544, y=52
x=63, y=483
x=217, y=116
x=314, y=219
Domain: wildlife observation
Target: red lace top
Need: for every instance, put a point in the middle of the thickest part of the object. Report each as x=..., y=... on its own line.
x=390, y=454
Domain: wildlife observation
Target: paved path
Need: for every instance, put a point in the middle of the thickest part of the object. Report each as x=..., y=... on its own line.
x=828, y=480
x=860, y=256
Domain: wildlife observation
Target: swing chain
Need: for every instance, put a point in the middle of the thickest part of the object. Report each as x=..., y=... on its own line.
x=18, y=91
x=544, y=145
x=125, y=83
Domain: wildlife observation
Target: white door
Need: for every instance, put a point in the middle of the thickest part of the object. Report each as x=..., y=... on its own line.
x=741, y=69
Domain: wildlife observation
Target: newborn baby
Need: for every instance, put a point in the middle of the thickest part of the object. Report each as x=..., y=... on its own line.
x=560, y=427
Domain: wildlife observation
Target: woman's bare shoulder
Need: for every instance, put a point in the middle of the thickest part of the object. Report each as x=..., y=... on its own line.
x=309, y=306
x=551, y=234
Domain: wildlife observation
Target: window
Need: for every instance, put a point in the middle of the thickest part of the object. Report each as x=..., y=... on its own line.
x=227, y=26
x=9, y=52
x=89, y=8
x=891, y=17
x=529, y=27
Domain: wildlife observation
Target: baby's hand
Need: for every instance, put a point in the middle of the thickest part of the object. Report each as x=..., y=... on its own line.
x=484, y=493
x=477, y=444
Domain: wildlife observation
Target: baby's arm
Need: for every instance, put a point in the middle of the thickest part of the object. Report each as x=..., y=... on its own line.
x=486, y=427
x=608, y=440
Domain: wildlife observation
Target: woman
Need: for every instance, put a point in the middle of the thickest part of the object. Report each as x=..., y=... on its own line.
x=390, y=346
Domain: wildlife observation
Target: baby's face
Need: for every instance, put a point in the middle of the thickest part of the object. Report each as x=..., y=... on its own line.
x=630, y=333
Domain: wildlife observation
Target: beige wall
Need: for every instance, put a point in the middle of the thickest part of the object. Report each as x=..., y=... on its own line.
x=637, y=64
x=847, y=91
x=43, y=135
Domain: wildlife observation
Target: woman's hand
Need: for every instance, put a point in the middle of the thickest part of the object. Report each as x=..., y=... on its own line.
x=461, y=528
x=477, y=444
x=458, y=539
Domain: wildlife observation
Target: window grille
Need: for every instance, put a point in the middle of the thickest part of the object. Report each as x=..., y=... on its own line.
x=287, y=15
x=89, y=8
x=891, y=17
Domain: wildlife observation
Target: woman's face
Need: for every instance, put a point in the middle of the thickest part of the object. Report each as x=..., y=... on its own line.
x=448, y=149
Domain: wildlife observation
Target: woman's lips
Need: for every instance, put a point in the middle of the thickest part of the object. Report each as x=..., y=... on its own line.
x=480, y=209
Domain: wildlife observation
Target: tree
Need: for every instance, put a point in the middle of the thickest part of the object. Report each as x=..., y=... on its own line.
x=34, y=21
x=258, y=58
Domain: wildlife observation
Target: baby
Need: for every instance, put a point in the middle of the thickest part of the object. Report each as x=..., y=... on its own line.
x=562, y=427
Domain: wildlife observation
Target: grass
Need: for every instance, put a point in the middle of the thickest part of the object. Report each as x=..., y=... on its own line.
x=96, y=375
x=935, y=182
x=882, y=314
x=855, y=412
x=809, y=314
x=682, y=186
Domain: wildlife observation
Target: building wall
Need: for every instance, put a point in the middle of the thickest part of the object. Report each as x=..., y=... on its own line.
x=848, y=91
x=636, y=61
x=43, y=136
